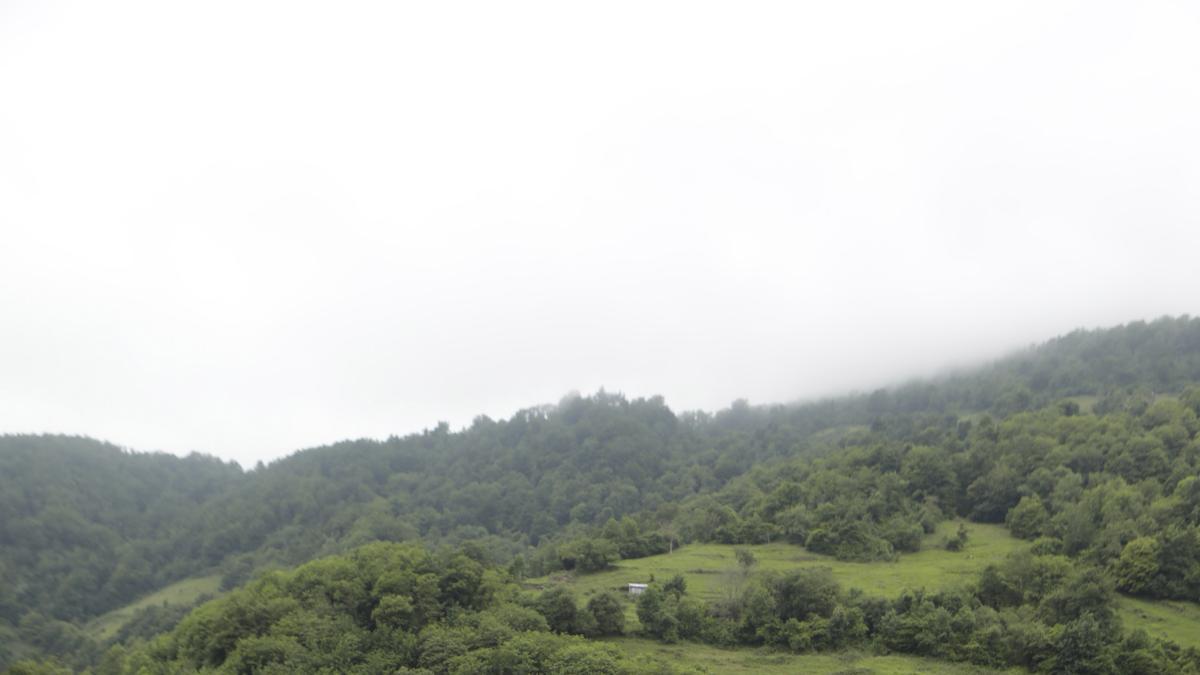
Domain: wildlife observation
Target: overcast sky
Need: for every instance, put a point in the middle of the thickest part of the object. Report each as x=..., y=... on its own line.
x=245, y=228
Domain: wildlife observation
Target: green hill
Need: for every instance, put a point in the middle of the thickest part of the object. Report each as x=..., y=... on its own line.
x=1085, y=447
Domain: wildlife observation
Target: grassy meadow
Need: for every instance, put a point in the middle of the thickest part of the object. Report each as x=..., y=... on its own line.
x=186, y=592
x=1170, y=619
x=711, y=570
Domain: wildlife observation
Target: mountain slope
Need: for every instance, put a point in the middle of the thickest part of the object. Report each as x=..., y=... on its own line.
x=87, y=527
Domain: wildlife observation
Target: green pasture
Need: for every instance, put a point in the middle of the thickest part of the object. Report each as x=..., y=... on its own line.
x=1169, y=619
x=712, y=572
x=711, y=569
x=186, y=592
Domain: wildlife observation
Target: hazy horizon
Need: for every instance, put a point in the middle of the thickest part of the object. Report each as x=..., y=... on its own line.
x=244, y=229
x=944, y=370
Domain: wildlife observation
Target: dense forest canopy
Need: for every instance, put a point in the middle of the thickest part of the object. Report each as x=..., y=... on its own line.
x=1086, y=445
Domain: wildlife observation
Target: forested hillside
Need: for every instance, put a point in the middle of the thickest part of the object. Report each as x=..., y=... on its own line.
x=86, y=526
x=1086, y=446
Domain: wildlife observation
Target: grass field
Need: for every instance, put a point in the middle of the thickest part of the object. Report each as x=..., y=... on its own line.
x=711, y=568
x=183, y=592
x=1178, y=621
x=713, y=660
x=711, y=571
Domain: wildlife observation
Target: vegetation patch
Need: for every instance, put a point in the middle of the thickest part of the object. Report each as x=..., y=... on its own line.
x=1174, y=620
x=181, y=594
x=711, y=659
x=932, y=568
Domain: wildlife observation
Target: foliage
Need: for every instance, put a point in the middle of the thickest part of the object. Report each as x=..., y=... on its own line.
x=384, y=608
x=959, y=541
x=1087, y=445
x=608, y=614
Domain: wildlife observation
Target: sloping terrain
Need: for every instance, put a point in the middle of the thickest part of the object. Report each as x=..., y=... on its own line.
x=1085, y=447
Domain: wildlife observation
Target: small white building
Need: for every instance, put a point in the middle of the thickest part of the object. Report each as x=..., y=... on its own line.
x=636, y=589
